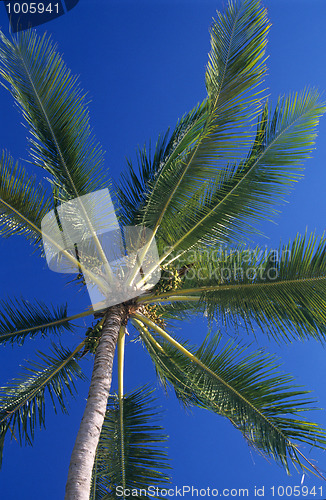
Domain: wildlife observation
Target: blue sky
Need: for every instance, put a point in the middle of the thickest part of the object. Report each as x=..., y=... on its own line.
x=143, y=66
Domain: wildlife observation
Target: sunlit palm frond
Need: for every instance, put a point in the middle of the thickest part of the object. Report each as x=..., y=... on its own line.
x=221, y=132
x=245, y=194
x=142, y=459
x=23, y=202
x=56, y=113
x=22, y=402
x=259, y=400
x=237, y=58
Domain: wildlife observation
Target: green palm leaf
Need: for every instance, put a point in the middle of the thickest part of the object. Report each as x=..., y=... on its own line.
x=238, y=39
x=220, y=127
x=137, y=185
x=248, y=389
x=20, y=319
x=282, y=292
x=55, y=109
x=137, y=461
x=23, y=202
x=244, y=194
x=22, y=403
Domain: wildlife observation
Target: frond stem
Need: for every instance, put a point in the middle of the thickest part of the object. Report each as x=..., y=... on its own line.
x=121, y=353
x=179, y=293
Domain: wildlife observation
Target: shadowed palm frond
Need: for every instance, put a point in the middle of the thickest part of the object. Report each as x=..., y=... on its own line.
x=133, y=185
x=56, y=113
x=136, y=188
x=22, y=403
x=248, y=389
x=139, y=460
x=20, y=319
x=23, y=202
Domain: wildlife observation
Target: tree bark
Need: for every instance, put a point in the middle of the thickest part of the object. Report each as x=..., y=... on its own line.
x=82, y=459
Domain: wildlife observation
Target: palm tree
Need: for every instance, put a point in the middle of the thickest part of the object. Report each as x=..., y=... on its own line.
x=223, y=169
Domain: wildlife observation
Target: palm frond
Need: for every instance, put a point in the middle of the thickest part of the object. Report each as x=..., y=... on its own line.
x=242, y=195
x=56, y=113
x=237, y=58
x=142, y=459
x=137, y=185
x=133, y=185
x=220, y=127
x=263, y=403
x=23, y=202
x=282, y=292
x=21, y=319
x=22, y=402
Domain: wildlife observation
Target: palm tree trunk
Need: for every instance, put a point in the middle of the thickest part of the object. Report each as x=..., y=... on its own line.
x=83, y=455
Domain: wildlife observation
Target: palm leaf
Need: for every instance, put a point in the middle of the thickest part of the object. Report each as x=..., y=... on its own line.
x=54, y=107
x=55, y=110
x=21, y=319
x=136, y=185
x=236, y=61
x=23, y=202
x=220, y=128
x=244, y=194
x=282, y=292
x=22, y=402
x=137, y=462
x=248, y=389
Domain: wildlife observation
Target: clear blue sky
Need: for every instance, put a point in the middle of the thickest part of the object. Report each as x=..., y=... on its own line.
x=143, y=64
